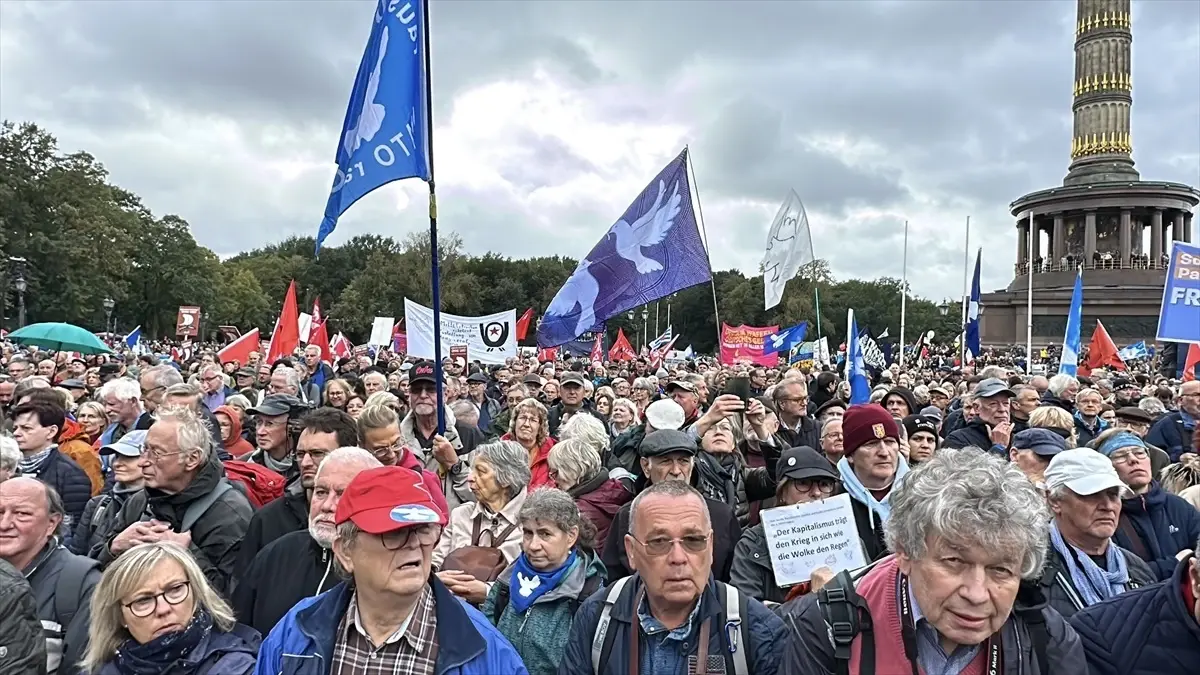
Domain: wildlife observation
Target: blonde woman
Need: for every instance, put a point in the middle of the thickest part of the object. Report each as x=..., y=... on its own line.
x=154, y=613
x=1057, y=420
x=92, y=418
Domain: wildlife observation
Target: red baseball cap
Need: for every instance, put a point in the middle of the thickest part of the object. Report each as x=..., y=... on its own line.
x=386, y=499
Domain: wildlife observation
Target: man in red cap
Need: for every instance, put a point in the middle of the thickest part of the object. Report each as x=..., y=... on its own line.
x=391, y=613
x=870, y=468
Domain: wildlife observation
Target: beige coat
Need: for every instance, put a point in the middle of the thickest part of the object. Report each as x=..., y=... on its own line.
x=462, y=520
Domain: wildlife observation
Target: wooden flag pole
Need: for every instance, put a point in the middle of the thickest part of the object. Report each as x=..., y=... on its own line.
x=712, y=279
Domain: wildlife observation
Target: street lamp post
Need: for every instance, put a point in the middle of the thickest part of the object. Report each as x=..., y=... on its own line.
x=109, y=303
x=18, y=270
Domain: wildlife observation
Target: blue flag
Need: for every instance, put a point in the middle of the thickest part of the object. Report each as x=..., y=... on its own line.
x=653, y=251
x=1069, y=364
x=785, y=340
x=973, y=348
x=134, y=337
x=384, y=137
x=856, y=368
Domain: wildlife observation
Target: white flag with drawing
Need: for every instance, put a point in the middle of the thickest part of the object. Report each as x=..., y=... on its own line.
x=789, y=247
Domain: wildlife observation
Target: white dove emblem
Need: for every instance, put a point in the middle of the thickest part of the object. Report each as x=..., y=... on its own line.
x=370, y=118
x=650, y=229
x=777, y=340
x=528, y=586
x=779, y=248
x=581, y=288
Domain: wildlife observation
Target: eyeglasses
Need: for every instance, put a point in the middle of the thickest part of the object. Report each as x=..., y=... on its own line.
x=155, y=455
x=427, y=535
x=145, y=606
x=809, y=486
x=389, y=452
x=795, y=399
x=660, y=546
x=1126, y=456
x=532, y=419
x=315, y=455
x=832, y=436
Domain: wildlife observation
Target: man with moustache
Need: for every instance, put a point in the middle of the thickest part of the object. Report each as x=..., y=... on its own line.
x=300, y=564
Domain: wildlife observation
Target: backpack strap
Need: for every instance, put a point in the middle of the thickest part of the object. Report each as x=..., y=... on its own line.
x=590, y=586
x=198, y=508
x=603, y=638
x=502, y=602
x=847, y=615
x=735, y=628
x=68, y=588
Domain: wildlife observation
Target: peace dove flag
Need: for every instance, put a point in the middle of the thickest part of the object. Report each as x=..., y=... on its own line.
x=789, y=247
x=652, y=251
x=384, y=136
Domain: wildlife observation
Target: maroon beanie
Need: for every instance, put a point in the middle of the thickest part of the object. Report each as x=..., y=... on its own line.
x=865, y=423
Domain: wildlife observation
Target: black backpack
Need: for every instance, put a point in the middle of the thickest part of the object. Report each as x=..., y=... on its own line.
x=847, y=615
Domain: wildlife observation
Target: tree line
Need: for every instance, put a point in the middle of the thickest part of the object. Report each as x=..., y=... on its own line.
x=86, y=239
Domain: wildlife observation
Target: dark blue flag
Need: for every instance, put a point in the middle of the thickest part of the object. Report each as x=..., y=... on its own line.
x=582, y=345
x=653, y=251
x=384, y=136
x=785, y=340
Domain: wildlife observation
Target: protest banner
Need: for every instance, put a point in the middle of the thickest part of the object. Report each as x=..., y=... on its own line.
x=744, y=344
x=489, y=339
x=381, y=331
x=458, y=352
x=1179, y=316
x=187, y=321
x=803, y=537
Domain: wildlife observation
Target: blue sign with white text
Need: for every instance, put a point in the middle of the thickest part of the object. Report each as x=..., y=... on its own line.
x=385, y=136
x=1179, y=318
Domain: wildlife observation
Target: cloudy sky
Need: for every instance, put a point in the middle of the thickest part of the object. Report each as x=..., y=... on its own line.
x=551, y=116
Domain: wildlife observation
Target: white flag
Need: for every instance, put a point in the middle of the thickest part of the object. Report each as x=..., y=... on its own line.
x=789, y=247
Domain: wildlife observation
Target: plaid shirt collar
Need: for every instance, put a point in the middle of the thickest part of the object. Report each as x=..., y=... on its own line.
x=418, y=630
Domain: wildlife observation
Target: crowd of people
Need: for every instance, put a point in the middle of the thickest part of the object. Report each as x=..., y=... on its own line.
x=187, y=516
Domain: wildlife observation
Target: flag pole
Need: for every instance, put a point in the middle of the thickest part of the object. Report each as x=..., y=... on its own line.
x=657, y=313
x=966, y=297
x=434, y=272
x=712, y=279
x=817, y=300
x=1029, y=300
x=903, y=293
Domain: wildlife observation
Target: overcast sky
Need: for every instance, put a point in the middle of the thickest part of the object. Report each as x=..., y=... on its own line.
x=552, y=115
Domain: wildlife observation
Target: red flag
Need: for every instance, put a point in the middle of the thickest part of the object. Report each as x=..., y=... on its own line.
x=286, y=337
x=1102, y=351
x=240, y=349
x=341, y=346
x=320, y=338
x=598, y=348
x=621, y=349
x=523, y=324
x=549, y=354
x=1192, y=362
x=316, y=312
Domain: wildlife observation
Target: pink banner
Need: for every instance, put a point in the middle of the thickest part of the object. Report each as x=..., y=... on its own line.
x=744, y=344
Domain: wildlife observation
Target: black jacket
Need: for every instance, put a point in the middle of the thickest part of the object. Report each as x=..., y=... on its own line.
x=726, y=533
x=556, y=412
x=216, y=536
x=20, y=629
x=66, y=635
x=71, y=482
x=973, y=434
x=99, y=518
x=752, y=572
x=806, y=433
x=1060, y=590
x=623, y=451
x=286, y=571
x=283, y=516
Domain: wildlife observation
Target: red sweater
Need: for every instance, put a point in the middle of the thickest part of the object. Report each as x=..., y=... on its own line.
x=878, y=588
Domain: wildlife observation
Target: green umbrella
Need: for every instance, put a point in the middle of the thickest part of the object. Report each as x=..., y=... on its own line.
x=62, y=337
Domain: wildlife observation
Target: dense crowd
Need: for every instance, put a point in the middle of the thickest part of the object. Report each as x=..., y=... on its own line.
x=172, y=514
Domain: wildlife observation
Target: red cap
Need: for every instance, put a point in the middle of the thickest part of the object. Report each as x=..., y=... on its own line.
x=865, y=423
x=388, y=498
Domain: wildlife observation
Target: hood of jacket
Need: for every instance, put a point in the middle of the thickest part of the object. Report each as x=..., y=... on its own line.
x=235, y=425
x=905, y=393
x=73, y=431
x=602, y=493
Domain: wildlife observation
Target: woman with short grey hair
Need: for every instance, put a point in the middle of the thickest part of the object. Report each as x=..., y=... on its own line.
x=966, y=528
x=556, y=571
x=575, y=467
x=498, y=478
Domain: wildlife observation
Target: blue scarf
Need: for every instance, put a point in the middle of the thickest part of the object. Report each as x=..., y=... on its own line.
x=1092, y=583
x=158, y=655
x=1101, y=425
x=528, y=584
x=855, y=488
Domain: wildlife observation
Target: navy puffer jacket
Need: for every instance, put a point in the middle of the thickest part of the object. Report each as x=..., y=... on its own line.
x=1148, y=631
x=70, y=481
x=1164, y=524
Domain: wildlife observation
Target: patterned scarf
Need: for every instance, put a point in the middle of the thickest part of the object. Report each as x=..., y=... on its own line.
x=158, y=655
x=1092, y=583
x=31, y=465
x=528, y=584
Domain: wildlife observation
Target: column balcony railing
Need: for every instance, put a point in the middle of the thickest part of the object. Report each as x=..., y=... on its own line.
x=1100, y=263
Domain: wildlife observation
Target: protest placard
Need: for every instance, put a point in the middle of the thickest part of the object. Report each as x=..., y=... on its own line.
x=803, y=537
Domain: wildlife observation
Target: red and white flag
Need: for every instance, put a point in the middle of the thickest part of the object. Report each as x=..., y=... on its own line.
x=240, y=349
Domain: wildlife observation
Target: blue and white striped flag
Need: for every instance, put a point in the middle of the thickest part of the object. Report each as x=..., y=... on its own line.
x=662, y=340
x=1072, y=341
x=1136, y=350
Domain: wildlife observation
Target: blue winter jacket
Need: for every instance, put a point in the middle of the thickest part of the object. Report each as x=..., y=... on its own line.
x=468, y=644
x=1147, y=631
x=1170, y=434
x=1166, y=525
x=767, y=633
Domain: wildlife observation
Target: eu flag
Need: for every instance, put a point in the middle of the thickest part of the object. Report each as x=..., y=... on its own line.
x=385, y=134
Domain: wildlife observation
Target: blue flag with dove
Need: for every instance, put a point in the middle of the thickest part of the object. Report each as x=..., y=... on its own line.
x=385, y=134
x=652, y=251
x=785, y=340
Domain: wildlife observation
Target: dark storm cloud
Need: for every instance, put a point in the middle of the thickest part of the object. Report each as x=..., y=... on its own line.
x=873, y=111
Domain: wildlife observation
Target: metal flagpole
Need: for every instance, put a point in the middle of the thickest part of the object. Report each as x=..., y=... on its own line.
x=1029, y=301
x=435, y=275
x=903, y=293
x=657, y=312
x=700, y=214
x=817, y=299
x=966, y=298
x=669, y=315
